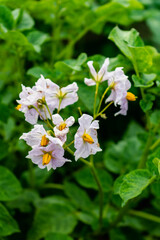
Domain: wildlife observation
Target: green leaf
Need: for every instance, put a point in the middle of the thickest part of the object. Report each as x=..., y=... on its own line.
x=86, y=218
x=24, y=201
x=26, y=22
x=120, y=61
x=37, y=71
x=3, y=149
x=121, y=156
x=85, y=178
x=52, y=218
x=40, y=176
x=78, y=196
x=57, y=236
x=6, y=112
x=155, y=117
x=37, y=38
x=134, y=183
x=6, y=17
x=8, y=225
x=147, y=102
x=132, y=46
x=145, y=81
x=156, y=162
x=10, y=187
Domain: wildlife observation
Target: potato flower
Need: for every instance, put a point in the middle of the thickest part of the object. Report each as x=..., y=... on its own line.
x=101, y=76
x=86, y=142
x=62, y=126
x=50, y=156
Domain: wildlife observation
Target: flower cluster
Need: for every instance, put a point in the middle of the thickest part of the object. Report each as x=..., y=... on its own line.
x=40, y=102
x=118, y=83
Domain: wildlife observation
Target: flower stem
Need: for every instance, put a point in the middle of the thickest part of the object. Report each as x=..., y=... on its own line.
x=104, y=109
x=93, y=170
x=146, y=152
x=53, y=185
x=69, y=145
x=95, y=99
x=144, y=215
x=49, y=111
x=102, y=99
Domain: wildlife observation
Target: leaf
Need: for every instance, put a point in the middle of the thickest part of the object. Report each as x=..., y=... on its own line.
x=86, y=218
x=3, y=149
x=85, y=178
x=52, y=218
x=37, y=38
x=132, y=46
x=78, y=196
x=26, y=22
x=120, y=61
x=156, y=162
x=24, y=201
x=155, y=117
x=6, y=17
x=145, y=81
x=134, y=183
x=8, y=225
x=57, y=236
x=6, y=112
x=10, y=187
x=121, y=156
x=37, y=71
x=147, y=102
x=40, y=176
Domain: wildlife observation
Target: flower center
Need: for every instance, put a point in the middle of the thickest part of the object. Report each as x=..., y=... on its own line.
x=46, y=158
x=130, y=96
x=87, y=138
x=60, y=94
x=112, y=85
x=62, y=126
x=19, y=106
x=44, y=141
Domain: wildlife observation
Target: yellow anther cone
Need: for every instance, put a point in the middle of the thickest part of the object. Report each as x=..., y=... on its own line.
x=87, y=138
x=46, y=158
x=130, y=96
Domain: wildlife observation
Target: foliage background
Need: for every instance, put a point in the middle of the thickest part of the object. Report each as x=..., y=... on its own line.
x=56, y=39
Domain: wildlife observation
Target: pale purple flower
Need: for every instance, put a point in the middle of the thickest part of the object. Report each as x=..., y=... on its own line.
x=30, y=99
x=38, y=136
x=86, y=142
x=101, y=76
x=62, y=97
x=51, y=156
x=62, y=126
x=119, y=84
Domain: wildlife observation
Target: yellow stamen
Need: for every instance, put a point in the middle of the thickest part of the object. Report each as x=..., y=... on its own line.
x=46, y=158
x=87, y=138
x=113, y=84
x=130, y=96
x=44, y=141
x=62, y=126
x=18, y=106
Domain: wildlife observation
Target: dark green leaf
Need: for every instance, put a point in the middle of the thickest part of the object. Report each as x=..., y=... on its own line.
x=145, y=81
x=52, y=218
x=57, y=236
x=147, y=102
x=6, y=17
x=9, y=185
x=8, y=225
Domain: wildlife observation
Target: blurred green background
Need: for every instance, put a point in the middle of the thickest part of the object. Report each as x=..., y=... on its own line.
x=56, y=39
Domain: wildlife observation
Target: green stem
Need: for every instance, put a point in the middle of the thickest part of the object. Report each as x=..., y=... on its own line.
x=143, y=159
x=104, y=109
x=60, y=100
x=102, y=99
x=155, y=144
x=93, y=170
x=53, y=185
x=95, y=99
x=69, y=145
x=144, y=215
x=31, y=174
x=38, y=113
x=48, y=123
x=49, y=111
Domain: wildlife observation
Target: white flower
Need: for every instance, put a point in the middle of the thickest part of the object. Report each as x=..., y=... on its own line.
x=124, y=103
x=62, y=126
x=30, y=99
x=86, y=142
x=119, y=84
x=50, y=156
x=38, y=137
x=101, y=76
x=62, y=97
